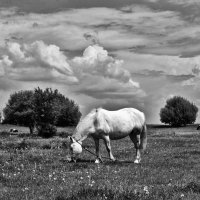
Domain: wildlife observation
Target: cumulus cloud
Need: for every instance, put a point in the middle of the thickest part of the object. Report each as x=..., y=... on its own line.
x=96, y=61
x=34, y=61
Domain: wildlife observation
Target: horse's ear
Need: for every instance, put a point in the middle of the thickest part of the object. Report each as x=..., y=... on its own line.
x=71, y=139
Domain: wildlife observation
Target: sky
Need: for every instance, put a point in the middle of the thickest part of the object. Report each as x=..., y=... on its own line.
x=111, y=54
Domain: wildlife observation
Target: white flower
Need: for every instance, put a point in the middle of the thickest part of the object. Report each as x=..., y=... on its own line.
x=146, y=190
x=182, y=195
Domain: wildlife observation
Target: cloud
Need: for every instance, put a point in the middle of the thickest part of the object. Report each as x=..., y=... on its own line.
x=95, y=60
x=196, y=70
x=39, y=61
x=96, y=73
x=185, y=2
x=92, y=37
x=169, y=65
x=109, y=89
x=34, y=61
x=116, y=28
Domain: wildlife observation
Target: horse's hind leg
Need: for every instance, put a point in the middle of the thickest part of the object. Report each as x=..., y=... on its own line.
x=135, y=137
x=108, y=147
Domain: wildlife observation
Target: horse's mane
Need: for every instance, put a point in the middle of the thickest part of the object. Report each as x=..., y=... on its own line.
x=87, y=120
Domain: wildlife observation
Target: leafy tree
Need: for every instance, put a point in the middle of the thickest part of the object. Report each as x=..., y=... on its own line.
x=19, y=109
x=44, y=113
x=66, y=111
x=178, y=111
x=53, y=109
x=43, y=109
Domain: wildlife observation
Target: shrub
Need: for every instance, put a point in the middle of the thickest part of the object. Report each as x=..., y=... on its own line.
x=178, y=111
x=46, y=130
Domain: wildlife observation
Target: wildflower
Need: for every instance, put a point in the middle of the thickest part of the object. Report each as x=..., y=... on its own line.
x=182, y=195
x=146, y=190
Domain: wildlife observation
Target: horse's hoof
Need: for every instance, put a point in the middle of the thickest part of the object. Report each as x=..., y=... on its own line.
x=137, y=161
x=98, y=160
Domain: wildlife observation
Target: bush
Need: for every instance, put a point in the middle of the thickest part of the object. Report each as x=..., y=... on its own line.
x=178, y=112
x=46, y=130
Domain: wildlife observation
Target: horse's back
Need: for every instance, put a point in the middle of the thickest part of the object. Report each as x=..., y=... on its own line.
x=128, y=115
x=120, y=123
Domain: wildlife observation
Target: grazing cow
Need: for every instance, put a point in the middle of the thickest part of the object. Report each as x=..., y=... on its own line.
x=13, y=130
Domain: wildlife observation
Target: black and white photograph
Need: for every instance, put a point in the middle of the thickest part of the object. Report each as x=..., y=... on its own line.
x=99, y=99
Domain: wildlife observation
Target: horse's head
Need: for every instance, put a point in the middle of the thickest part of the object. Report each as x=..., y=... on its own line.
x=75, y=148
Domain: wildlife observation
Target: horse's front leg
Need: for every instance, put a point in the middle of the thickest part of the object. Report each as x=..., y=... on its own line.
x=108, y=147
x=98, y=159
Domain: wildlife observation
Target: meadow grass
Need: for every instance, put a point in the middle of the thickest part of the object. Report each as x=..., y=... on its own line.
x=36, y=168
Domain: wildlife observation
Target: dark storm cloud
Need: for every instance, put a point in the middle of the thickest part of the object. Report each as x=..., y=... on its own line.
x=48, y=6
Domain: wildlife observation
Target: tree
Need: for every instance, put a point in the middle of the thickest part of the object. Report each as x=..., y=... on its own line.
x=53, y=109
x=66, y=111
x=43, y=109
x=178, y=111
x=44, y=112
x=19, y=109
x=1, y=118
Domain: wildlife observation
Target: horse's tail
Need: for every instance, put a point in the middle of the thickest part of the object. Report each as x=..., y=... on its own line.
x=143, y=137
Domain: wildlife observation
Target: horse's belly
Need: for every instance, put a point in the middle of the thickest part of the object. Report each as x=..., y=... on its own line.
x=118, y=135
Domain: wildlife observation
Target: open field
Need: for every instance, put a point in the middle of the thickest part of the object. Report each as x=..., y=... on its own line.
x=36, y=168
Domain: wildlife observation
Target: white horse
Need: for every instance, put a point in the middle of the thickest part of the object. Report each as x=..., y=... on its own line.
x=110, y=125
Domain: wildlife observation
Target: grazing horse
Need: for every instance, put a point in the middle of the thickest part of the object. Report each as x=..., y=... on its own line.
x=110, y=125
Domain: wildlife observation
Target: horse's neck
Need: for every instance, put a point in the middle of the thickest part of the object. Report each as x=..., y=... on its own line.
x=84, y=127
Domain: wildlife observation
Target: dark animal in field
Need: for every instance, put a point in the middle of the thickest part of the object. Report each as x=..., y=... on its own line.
x=111, y=125
x=198, y=127
x=13, y=130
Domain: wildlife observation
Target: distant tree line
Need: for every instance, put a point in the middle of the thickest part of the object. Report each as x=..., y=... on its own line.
x=41, y=109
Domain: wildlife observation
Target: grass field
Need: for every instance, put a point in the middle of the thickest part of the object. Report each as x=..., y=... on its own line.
x=36, y=168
